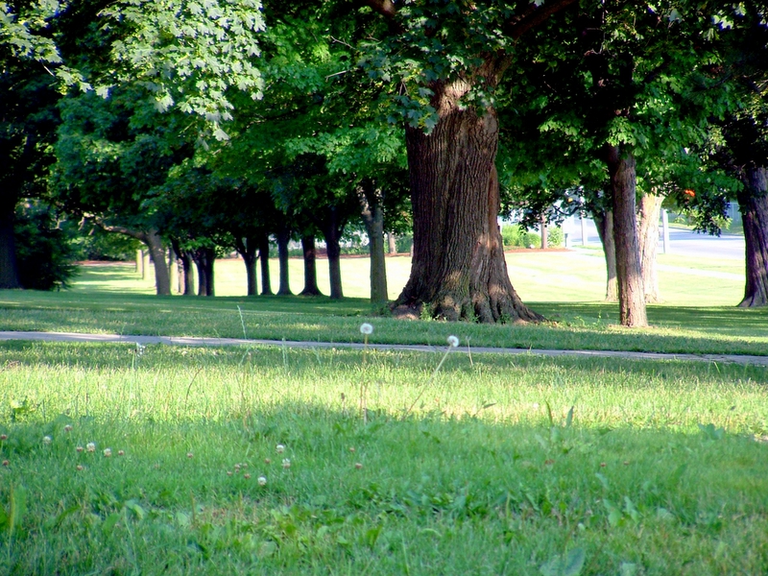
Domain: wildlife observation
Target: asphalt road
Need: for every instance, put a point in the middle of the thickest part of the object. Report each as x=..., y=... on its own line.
x=681, y=241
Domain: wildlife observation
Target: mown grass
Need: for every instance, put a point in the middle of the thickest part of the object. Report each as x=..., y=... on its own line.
x=104, y=299
x=493, y=465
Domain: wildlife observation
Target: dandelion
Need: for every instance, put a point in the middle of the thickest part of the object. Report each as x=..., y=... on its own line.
x=140, y=349
x=351, y=448
x=79, y=448
x=3, y=437
x=286, y=462
x=91, y=447
x=358, y=465
x=237, y=467
x=229, y=472
x=267, y=461
x=262, y=481
x=79, y=467
x=47, y=440
x=366, y=329
x=107, y=452
x=280, y=448
x=6, y=463
x=453, y=342
x=68, y=428
x=246, y=476
x=190, y=455
x=121, y=452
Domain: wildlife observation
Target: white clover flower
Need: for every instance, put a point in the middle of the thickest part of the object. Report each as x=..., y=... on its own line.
x=453, y=342
x=280, y=448
x=91, y=447
x=286, y=462
x=366, y=328
x=47, y=440
x=262, y=481
x=107, y=452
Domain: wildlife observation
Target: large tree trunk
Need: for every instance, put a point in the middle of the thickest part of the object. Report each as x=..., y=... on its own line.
x=753, y=204
x=9, y=270
x=248, y=249
x=373, y=217
x=392, y=241
x=266, y=284
x=648, y=233
x=458, y=269
x=604, y=224
x=283, y=237
x=332, y=229
x=310, y=266
x=157, y=253
x=204, y=259
x=621, y=169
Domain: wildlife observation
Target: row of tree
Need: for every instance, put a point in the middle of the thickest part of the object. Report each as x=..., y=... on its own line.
x=216, y=124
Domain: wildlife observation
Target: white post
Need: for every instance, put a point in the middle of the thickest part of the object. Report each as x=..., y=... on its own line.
x=583, y=231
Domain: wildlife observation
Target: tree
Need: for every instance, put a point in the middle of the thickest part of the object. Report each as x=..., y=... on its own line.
x=447, y=60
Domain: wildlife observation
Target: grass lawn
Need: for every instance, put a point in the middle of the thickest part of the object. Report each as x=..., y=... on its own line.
x=120, y=459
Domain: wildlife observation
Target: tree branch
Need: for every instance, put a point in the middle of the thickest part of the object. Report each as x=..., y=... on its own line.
x=384, y=7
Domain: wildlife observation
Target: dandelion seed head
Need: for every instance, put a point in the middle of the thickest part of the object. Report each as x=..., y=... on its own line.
x=358, y=465
x=47, y=440
x=121, y=452
x=262, y=481
x=190, y=455
x=107, y=452
x=79, y=467
x=286, y=462
x=91, y=447
x=3, y=436
x=246, y=476
x=68, y=428
x=280, y=448
x=79, y=448
x=453, y=341
x=267, y=461
x=366, y=328
x=6, y=463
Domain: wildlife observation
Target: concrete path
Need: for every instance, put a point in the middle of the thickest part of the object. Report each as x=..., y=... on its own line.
x=197, y=341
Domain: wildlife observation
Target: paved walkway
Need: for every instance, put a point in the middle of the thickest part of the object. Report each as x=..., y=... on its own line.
x=197, y=341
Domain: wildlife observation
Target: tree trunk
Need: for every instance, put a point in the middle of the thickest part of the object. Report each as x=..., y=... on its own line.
x=247, y=248
x=373, y=217
x=604, y=223
x=332, y=230
x=753, y=204
x=9, y=270
x=310, y=266
x=283, y=237
x=648, y=233
x=266, y=284
x=157, y=253
x=392, y=241
x=458, y=269
x=621, y=169
x=204, y=259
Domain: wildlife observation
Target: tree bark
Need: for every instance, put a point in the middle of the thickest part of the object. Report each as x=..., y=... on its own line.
x=204, y=259
x=648, y=234
x=604, y=223
x=621, y=169
x=266, y=284
x=392, y=242
x=753, y=204
x=283, y=237
x=332, y=229
x=9, y=270
x=310, y=266
x=157, y=253
x=372, y=212
x=458, y=269
x=248, y=249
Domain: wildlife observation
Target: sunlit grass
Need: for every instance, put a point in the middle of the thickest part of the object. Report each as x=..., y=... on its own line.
x=503, y=465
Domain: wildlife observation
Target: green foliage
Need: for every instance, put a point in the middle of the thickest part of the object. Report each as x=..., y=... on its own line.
x=45, y=256
x=516, y=237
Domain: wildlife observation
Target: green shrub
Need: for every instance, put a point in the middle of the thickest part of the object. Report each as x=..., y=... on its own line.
x=43, y=251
